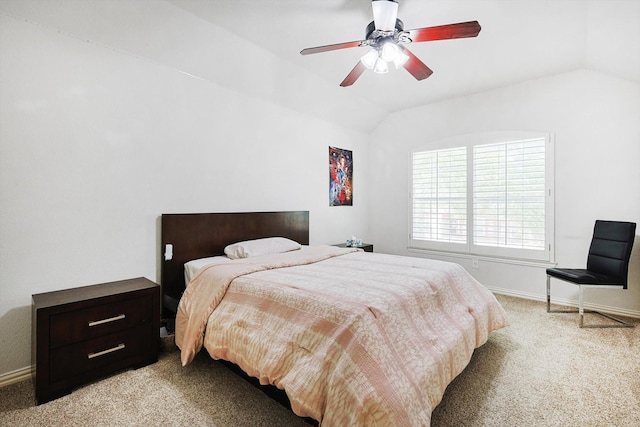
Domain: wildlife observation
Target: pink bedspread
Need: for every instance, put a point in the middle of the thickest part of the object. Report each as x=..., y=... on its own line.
x=354, y=338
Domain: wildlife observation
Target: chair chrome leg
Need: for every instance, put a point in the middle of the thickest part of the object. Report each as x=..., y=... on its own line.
x=548, y=294
x=620, y=323
x=549, y=300
x=581, y=305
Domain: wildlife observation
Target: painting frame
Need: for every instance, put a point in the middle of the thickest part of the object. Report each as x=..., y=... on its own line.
x=340, y=177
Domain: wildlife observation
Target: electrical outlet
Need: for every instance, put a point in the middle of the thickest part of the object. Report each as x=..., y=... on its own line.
x=474, y=263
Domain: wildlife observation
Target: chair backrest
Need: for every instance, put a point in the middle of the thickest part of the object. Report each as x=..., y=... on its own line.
x=610, y=249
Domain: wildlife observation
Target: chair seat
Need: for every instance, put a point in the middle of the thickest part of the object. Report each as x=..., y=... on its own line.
x=583, y=277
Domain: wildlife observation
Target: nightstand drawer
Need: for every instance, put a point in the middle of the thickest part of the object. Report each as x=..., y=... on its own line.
x=79, y=325
x=76, y=359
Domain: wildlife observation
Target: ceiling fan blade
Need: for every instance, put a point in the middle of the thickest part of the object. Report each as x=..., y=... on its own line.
x=353, y=75
x=330, y=47
x=416, y=67
x=443, y=32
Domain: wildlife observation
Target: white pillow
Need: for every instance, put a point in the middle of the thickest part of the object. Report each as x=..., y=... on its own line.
x=191, y=268
x=269, y=245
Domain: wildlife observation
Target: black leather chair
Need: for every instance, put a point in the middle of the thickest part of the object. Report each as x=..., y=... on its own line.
x=607, y=267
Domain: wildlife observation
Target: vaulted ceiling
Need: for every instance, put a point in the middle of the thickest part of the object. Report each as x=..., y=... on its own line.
x=519, y=40
x=253, y=46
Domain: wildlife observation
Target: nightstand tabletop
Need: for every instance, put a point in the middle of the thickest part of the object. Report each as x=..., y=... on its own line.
x=367, y=247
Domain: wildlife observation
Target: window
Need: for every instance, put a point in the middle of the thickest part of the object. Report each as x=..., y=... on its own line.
x=488, y=194
x=440, y=195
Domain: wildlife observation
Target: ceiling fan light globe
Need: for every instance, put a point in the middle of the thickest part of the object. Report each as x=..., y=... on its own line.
x=369, y=59
x=400, y=59
x=389, y=51
x=381, y=67
x=385, y=13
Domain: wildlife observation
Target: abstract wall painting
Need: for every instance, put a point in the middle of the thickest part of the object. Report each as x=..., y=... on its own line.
x=340, y=177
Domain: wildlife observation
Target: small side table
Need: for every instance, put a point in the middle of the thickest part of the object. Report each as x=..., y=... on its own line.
x=367, y=247
x=85, y=333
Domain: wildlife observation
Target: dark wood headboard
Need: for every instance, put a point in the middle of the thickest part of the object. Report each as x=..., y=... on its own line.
x=199, y=235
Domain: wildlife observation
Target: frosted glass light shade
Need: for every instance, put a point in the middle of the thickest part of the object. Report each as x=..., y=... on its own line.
x=369, y=59
x=381, y=67
x=389, y=51
x=400, y=59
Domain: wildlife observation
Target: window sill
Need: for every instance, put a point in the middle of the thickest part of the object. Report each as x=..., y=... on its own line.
x=501, y=260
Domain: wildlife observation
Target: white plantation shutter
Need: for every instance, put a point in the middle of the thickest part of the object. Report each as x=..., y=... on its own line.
x=440, y=195
x=509, y=194
x=491, y=195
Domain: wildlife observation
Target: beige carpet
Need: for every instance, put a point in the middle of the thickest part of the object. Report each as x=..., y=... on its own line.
x=542, y=370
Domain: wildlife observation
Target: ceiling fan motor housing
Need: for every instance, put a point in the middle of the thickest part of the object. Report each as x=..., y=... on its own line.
x=373, y=35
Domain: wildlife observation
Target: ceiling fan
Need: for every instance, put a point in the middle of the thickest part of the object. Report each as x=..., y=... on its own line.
x=386, y=37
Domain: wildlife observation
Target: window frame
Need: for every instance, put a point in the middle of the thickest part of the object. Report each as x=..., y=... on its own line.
x=469, y=248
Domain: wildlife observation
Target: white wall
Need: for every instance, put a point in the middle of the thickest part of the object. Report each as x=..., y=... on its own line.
x=595, y=119
x=96, y=144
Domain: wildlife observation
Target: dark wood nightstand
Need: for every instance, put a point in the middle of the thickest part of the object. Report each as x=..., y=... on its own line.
x=367, y=247
x=85, y=333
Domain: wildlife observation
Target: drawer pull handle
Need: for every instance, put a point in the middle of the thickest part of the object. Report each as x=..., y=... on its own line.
x=102, y=353
x=111, y=319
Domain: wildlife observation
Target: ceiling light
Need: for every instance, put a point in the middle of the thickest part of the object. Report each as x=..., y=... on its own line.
x=400, y=59
x=369, y=59
x=385, y=13
x=389, y=51
x=381, y=67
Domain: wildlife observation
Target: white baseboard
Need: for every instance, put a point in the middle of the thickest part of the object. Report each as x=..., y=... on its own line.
x=567, y=302
x=15, y=376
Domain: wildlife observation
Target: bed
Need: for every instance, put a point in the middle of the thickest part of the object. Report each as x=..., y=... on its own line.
x=353, y=338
